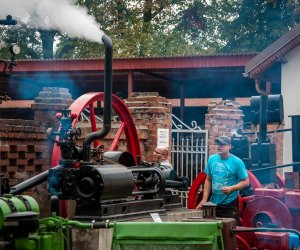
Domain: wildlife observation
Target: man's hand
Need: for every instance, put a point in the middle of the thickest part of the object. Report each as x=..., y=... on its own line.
x=227, y=190
x=201, y=204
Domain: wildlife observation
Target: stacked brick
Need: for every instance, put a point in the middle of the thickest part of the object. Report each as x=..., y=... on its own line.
x=108, y=139
x=223, y=118
x=24, y=149
x=48, y=102
x=150, y=112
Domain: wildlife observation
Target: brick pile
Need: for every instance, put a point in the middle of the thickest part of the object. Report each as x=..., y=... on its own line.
x=48, y=102
x=150, y=111
x=24, y=149
x=223, y=118
x=107, y=140
x=24, y=152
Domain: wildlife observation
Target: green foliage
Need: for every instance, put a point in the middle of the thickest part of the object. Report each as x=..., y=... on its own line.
x=258, y=24
x=26, y=36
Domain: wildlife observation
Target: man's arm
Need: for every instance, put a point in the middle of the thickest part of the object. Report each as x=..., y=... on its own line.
x=242, y=184
x=206, y=192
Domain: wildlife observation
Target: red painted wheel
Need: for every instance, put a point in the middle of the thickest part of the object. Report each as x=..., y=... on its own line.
x=87, y=102
x=242, y=244
x=265, y=211
x=241, y=205
x=253, y=180
x=280, y=181
x=194, y=195
x=241, y=208
x=127, y=125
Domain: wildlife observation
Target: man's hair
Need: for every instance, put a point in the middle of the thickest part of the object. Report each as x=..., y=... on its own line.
x=163, y=149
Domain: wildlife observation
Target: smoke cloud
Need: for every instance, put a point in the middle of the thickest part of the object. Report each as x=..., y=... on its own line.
x=61, y=15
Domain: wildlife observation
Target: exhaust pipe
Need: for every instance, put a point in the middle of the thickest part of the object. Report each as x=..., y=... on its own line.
x=38, y=179
x=107, y=102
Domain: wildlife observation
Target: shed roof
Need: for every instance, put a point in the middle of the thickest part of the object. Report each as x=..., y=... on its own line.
x=134, y=63
x=149, y=74
x=273, y=55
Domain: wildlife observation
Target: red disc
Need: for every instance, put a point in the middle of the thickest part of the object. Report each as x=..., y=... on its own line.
x=195, y=196
x=242, y=243
x=266, y=211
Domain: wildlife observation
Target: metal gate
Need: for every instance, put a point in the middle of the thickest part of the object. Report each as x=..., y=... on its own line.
x=189, y=148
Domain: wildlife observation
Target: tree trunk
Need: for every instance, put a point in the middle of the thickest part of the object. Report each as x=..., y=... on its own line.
x=47, y=37
x=147, y=17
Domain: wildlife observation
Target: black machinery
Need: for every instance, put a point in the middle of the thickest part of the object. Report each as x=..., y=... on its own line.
x=112, y=185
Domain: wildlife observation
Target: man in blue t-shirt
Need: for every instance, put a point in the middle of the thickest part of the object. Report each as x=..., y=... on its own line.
x=226, y=175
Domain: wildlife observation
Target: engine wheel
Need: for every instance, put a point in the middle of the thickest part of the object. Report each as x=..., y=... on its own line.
x=242, y=244
x=280, y=181
x=254, y=182
x=194, y=196
x=267, y=211
x=87, y=102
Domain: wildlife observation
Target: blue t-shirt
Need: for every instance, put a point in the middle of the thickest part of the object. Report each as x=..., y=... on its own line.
x=225, y=173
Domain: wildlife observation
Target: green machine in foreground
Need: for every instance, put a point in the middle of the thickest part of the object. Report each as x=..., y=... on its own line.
x=21, y=229
x=167, y=235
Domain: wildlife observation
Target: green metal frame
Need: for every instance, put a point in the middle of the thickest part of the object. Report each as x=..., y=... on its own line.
x=167, y=235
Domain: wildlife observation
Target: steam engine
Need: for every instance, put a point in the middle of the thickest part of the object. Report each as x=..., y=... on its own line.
x=116, y=184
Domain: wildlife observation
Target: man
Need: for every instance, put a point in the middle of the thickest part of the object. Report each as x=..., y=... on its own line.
x=226, y=175
x=160, y=156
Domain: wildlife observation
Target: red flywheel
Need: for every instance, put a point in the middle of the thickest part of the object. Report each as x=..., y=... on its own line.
x=195, y=193
x=266, y=211
x=87, y=102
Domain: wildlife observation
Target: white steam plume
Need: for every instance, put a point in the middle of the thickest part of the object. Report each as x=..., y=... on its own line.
x=60, y=15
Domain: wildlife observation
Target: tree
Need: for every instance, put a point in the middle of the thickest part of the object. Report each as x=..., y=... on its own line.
x=149, y=28
x=27, y=37
x=258, y=24
x=166, y=28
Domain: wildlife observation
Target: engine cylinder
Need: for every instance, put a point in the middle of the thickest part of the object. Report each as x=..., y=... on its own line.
x=90, y=184
x=118, y=181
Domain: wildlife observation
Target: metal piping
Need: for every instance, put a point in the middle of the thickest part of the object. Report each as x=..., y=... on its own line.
x=264, y=229
x=258, y=89
x=263, y=111
x=107, y=101
x=32, y=182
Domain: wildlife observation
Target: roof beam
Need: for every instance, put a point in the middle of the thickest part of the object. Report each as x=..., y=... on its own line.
x=133, y=63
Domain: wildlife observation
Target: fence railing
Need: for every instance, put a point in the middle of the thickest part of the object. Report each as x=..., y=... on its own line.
x=189, y=148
